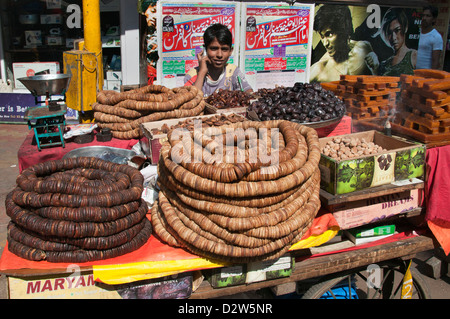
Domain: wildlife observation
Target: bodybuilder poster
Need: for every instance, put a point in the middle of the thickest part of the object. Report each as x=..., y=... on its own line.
x=361, y=40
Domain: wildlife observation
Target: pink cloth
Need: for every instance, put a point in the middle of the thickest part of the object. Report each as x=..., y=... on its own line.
x=437, y=194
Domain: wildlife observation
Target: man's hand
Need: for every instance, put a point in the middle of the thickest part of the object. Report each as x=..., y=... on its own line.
x=203, y=61
x=372, y=62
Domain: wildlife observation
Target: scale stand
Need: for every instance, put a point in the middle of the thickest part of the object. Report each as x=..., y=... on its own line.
x=48, y=125
x=48, y=120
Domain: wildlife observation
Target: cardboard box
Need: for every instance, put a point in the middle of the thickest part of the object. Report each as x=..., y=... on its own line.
x=270, y=269
x=251, y=272
x=151, y=143
x=344, y=126
x=346, y=176
x=51, y=18
x=70, y=43
x=82, y=286
x=54, y=40
x=226, y=276
x=113, y=85
x=24, y=69
x=114, y=75
x=111, y=42
x=354, y=214
x=33, y=38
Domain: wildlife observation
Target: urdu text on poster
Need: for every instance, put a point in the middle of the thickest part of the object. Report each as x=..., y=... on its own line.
x=276, y=43
x=180, y=35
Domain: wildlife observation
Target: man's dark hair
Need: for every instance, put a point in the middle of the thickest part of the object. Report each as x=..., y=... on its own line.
x=220, y=32
x=434, y=11
x=337, y=18
x=391, y=15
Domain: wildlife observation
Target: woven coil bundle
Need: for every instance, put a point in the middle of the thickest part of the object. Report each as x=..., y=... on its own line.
x=77, y=210
x=123, y=112
x=238, y=210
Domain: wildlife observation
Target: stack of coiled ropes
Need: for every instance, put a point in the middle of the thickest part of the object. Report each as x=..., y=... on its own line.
x=123, y=112
x=245, y=196
x=77, y=210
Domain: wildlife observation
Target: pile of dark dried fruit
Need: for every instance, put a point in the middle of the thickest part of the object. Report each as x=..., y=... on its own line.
x=224, y=99
x=301, y=103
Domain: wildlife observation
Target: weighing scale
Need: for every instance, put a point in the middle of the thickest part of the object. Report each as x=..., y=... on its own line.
x=47, y=118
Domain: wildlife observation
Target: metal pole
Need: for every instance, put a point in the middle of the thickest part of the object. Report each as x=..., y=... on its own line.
x=92, y=34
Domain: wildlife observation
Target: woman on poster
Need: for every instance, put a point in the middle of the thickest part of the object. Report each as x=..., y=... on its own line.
x=393, y=32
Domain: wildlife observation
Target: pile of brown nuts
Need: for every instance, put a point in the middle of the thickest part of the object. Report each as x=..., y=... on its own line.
x=340, y=148
x=189, y=124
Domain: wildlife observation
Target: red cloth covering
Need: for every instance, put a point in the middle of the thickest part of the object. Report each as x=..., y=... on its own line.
x=153, y=250
x=29, y=154
x=437, y=194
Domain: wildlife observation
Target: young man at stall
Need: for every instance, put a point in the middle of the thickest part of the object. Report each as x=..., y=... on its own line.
x=214, y=72
x=430, y=41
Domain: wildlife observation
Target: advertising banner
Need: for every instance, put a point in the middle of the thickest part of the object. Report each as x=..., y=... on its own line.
x=180, y=28
x=358, y=40
x=13, y=106
x=275, y=43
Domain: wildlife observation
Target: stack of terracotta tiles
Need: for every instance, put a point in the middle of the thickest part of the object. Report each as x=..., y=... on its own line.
x=425, y=104
x=366, y=96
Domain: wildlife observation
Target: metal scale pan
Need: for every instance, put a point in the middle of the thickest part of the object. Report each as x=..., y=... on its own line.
x=47, y=120
x=47, y=84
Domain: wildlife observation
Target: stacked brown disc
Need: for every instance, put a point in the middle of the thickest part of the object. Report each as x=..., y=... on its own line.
x=249, y=193
x=77, y=210
x=123, y=112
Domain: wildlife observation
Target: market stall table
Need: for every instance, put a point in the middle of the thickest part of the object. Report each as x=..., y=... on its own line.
x=153, y=260
x=156, y=259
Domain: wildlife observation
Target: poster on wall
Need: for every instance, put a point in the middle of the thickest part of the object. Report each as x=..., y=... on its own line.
x=358, y=40
x=180, y=28
x=275, y=43
x=13, y=106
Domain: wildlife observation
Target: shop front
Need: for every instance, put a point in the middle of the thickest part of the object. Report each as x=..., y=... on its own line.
x=36, y=34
